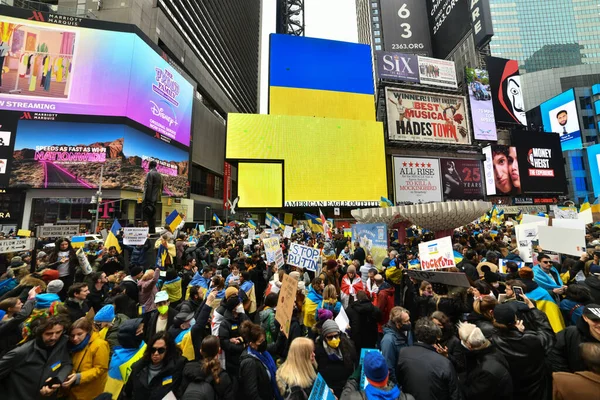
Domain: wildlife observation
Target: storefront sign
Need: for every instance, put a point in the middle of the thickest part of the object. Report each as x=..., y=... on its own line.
x=57, y=230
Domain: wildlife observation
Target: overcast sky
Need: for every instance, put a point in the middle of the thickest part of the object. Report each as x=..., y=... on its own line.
x=326, y=19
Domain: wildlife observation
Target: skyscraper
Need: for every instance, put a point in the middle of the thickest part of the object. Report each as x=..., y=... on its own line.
x=546, y=34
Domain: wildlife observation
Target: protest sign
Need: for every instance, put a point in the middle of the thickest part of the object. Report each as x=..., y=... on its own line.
x=320, y=390
x=285, y=303
x=287, y=233
x=135, y=236
x=502, y=264
x=342, y=320
x=562, y=240
x=251, y=234
x=304, y=257
x=586, y=216
x=569, y=224
x=447, y=278
x=247, y=242
x=437, y=254
x=273, y=251
x=78, y=241
x=526, y=233
x=363, y=380
x=24, y=233
x=61, y=230
x=373, y=239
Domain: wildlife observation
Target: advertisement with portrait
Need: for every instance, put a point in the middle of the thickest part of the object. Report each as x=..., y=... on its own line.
x=482, y=109
x=397, y=67
x=507, y=91
x=417, y=180
x=404, y=26
x=53, y=68
x=541, y=163
x=559, y=115
x=461, y=179
x=593, y=154
x=63, y=154
x=436, y=72
x=449, y=22
x=426, y=117
x=502, y=174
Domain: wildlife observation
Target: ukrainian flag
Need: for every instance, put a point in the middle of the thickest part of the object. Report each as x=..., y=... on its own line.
x=385, y=202
x=457, y=257
x=544, y=302
x=173, y=220
x=311, y=303
x=314, y=222
x=519, y=216
x=111, y=239
x=252, y=224
x=217, y=220
x=586, y=205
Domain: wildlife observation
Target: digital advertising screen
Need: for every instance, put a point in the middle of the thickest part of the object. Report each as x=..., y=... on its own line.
x=54, y=68
x=417, y=180
x=506, y=90
x=404, y=26
x=559, y=115
x=427, y=117
x=57, y=154
x=449, y=22
x=461, y=179
x=541, y=163
x=502, y=174
x=593, y=154
x=482, y=108
x=315, y=154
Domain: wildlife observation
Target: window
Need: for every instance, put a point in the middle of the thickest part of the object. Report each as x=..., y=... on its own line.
x=375, y=19
x=585, y=103
x=377, y=40
x=588, y=122
x=374, y=5
x=375, y=26
x=377, y=33
x=577, y=163
x=377, y=47
x=581, y=185
x=206, y=183
x=375, y=12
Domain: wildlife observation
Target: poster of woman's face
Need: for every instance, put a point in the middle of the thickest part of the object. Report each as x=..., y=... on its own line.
x=506, y=170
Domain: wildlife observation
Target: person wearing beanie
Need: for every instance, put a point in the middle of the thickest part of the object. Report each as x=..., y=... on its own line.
x=593, y=282
x=130, y=282
x=54, y=286
x=49, y=275
x=230, y=334
x=363, y=317
x=336, y=356
x=525, y=352
x=351, y=285
x=108, y=323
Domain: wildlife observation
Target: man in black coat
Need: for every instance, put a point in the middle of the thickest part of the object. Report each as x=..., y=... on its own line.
x=153, y=187
x=76, y=304
x=469, y=265
x=363, y=316
x=424, y=373
x=359, y=253
x=232, y=342
x=593, y=283
x=566, y=356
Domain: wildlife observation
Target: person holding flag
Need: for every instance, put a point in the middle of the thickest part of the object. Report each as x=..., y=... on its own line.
x=217, y=220
x=252, y=224
x=273, y=222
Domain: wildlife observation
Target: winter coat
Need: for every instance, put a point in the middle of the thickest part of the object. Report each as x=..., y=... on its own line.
x=352, y=392
x=593, y=283
x=254, y=381
x=336, y=372
x=137, y=254
x=487, y=376
x=267, y=322
x=167, y=380
x=470, y=270
x=456, y=351
x=131, y=288
x=76, y=309
x=580, y=385
x=571, y=311
x=385, y=303
x=147, y=291
x=22, y=289
x=565, y=355
x=331, y=306
x=230, y=328
x=150, y=319
x=425, y=374
x=394, y=340
x=24, y=369
x=10, y=331
x=295, y=332
x=197, y=385
x=96, y=297
x=173, y=288
x=525, y=354
x=112, y=333
x=486, y=326
x=153, y=186
x=360, y=255
x=363, y=317
x=91, y=363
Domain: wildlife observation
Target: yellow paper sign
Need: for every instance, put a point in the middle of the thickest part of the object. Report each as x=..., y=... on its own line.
x=24, y=232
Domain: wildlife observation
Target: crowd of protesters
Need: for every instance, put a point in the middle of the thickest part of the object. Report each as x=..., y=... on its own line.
x=196, y=319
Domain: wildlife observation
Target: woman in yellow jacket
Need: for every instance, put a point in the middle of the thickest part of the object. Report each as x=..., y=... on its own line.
x=90, y=356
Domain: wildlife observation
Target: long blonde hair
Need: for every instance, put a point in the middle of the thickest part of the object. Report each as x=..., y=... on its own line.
x=298, y=369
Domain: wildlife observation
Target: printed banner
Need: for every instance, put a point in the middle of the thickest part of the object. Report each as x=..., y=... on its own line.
x=373, y=239
x=135, y=236
x=426, y=117
x=437, y=254
x=482, y=108
x=461, y=179
x=397, y=67
x=304, y=257
x=435, y=72
x=417, y=180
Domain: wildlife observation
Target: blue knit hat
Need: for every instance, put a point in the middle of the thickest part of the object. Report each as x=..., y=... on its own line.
x=376, y=369
x=106, y=314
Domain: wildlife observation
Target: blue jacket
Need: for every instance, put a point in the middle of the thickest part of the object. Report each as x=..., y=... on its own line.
x=393, y=340
x=138, y=254
x=571, y=313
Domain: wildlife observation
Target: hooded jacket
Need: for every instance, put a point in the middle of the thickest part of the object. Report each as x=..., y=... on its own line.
x=311, y=303
x=92, y=365
x=197, y=385
x=385, y=303
x=593, y=283
x=487, y=376
x=167, y=380
x=76, y=309
x=22, y=290
x=24, y=369
x=131, y=288
x=565, y=355
x=351, y=392
x=254, y=380
x=393, y=340
x=229, y=328
x=364, y=318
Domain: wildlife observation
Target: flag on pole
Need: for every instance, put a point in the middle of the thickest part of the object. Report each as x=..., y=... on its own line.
x=272, y=221
x=217, y=220
x=173, y=220
x=385, y=202
x=314, y=222
x=111, y=238
x=326, y=226
x=252, y=224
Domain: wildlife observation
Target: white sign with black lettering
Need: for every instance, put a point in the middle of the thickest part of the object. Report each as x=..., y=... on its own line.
x=135, y=236
x=304, y=257
x=15, y=245
x=57, y=230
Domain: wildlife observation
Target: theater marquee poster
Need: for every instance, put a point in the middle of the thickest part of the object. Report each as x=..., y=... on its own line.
x=427, y=117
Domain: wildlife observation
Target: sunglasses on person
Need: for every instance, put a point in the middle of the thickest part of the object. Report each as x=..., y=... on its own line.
x=546, y=261
x=331, y=337
x=159, y=350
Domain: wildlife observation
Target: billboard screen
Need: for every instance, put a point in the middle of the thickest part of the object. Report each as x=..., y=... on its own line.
x=482, y=109
x=71, y=154
x=559, y=115
x=502, y=174
x=397, y=67
x=461, y=179
x=449, y=22
x=426, y=117
x=507, y=91
x=72, y=70
x=417, y=180
x=405, y=27
x=593, y=153
x=541, y=163
x=436, y=72
x=315, y=153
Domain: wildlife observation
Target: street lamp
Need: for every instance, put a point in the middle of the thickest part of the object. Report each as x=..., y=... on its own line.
x=205, y=208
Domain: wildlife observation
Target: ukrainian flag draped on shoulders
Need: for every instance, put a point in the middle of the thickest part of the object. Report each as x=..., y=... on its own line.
x=248, y=287
x=120, y=368
x=311, y=303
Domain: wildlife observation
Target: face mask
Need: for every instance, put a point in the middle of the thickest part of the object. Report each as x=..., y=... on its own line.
x=334, y=343
x=162, y=309
x=239, y=309
x=405, y=327
x=262, y=347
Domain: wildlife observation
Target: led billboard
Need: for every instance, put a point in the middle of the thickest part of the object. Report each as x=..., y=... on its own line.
x=593, y=153
x=55, y=68
x=559, y=115
x=502, y=174
x=507, y=91
x=405, y=27
x=316, y=154
x=461, y=179
x=482, y=109
x=449, y=22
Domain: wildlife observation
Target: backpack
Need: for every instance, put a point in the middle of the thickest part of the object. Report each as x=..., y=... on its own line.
x=296, y=393
x=199, y=391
